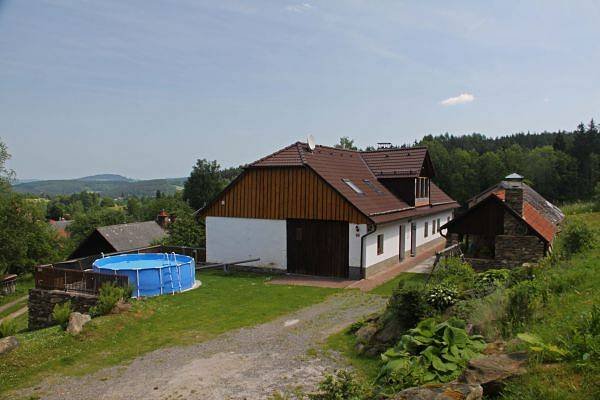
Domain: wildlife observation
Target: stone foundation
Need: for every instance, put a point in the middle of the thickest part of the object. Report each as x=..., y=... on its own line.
x=519, y=249
x=42, y=302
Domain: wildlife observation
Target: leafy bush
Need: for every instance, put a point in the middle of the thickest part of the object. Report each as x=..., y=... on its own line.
x=341, y=386
x=486, y=315
x=8, y=327
x=577, y=236
x=442, y=296
x=489, y=281
x=61, y=312
x=541, y=350
x=584, y=341
x=407, y=306
x=431, y=352
x=128, y=292
x=108, y=298
x=523, y=300
x=455, y=272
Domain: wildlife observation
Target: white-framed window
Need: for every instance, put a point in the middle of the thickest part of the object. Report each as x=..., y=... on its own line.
x=426, y=230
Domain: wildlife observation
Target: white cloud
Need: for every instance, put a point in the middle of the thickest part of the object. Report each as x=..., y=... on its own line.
x=460, y=99
x=299, y=8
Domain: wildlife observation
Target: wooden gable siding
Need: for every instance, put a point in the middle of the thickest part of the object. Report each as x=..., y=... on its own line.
x=283, y=193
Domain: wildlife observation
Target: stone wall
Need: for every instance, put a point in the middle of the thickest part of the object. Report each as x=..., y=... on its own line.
x=42, y=302
x=519, y=249
x=513, y=226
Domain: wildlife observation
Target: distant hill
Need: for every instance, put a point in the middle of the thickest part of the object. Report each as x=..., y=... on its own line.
x=106, y=184
x=106, y=178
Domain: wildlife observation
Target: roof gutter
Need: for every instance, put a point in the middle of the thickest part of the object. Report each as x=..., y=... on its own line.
x=362, y=250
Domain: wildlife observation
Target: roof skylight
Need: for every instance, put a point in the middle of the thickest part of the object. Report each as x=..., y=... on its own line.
x=353, y=186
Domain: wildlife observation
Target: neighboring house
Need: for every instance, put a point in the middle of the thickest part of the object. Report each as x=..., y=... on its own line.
x=122, y=237
x=506, y=225
x=61, y=227
x=328, y=211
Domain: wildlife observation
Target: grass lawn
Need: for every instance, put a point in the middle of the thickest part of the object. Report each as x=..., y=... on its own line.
x=24, y=283
x=222, y=303
x=343, y=342
x=387, y=288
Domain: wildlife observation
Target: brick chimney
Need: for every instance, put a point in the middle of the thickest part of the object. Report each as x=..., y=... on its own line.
x=513, y=195
x=163, y=219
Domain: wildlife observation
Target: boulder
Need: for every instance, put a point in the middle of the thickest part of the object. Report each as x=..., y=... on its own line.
x=121, y=307
x=76, y=322
x=491, y=371
x=448, y=391
x=8, y=343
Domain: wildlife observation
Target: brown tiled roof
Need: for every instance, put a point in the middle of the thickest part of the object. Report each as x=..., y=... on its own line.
x=534, y=217
x=406, y=162
x=132, y=236
x=363, y=168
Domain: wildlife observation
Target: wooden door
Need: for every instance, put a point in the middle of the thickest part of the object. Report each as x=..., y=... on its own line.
x=413, y=239
x=317, y=247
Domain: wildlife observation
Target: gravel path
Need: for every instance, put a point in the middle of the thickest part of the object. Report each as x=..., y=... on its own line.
x=250, y=363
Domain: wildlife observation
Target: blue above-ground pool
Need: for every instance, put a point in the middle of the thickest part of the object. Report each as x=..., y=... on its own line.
x=151, y=274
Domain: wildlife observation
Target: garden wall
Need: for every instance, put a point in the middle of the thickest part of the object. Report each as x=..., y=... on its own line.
x=42, y=302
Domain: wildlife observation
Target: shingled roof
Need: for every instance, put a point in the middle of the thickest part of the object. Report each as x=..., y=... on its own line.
x=364, y=168
x=543, y=216
x=132, y=236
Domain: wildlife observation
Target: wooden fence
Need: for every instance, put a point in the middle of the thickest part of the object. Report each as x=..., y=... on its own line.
x=71, y=280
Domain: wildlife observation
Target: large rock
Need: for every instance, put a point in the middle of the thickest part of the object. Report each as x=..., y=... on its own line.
x=121, y=307
x=76, y=322
x=448, y=391
x=8, y=343
x=491, y=371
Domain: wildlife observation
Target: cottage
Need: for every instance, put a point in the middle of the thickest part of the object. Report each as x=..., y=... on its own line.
x=325, y=211
x=118, y=238
x=506, y=225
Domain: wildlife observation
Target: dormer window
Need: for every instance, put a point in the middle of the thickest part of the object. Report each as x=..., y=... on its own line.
x=353, y=186
x=421, y=190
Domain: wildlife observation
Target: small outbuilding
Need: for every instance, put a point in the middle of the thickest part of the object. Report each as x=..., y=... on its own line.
x=505, y=226
x=122, y=237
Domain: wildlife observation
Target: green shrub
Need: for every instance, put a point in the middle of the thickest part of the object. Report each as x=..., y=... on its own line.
x=542, y=351
x=453, y=271
x=407, y=306
x=577, y=236
x=61, y=313
x=489, y=281
x=8, y=327
x=108, y=298
x=128, y=292
x=486, y=315
x=430, y=353
x=442, y=296
x=341, y=386
x=524, y=299
x=584, y=341
x=517, y=275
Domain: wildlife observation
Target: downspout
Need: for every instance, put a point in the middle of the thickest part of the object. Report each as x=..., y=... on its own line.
x=362, y=250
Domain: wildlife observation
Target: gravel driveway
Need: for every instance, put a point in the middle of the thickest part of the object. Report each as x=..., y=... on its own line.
x=249, y=363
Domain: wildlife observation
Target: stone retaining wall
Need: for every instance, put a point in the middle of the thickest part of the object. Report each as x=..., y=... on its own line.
x=519, y=249
x=42, y=302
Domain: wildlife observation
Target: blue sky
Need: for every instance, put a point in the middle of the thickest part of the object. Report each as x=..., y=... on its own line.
x=144, y=88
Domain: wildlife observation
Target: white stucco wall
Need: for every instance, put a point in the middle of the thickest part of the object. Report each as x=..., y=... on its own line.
x=234, y=239
x=354, y=238
x=391, y=237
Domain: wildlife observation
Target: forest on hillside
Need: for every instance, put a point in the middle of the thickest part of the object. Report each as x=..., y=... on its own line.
x=562, y=166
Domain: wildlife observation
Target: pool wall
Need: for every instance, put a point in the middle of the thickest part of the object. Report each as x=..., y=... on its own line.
x=151, y=274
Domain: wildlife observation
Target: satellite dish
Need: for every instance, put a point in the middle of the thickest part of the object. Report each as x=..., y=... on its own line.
x=311, y=142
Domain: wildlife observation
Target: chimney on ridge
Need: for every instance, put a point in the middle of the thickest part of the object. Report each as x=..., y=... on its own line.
x=163, y=219
x=513, y=195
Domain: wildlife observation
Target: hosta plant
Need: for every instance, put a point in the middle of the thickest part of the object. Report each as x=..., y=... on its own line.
x=442, y=296
x=432, y=352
